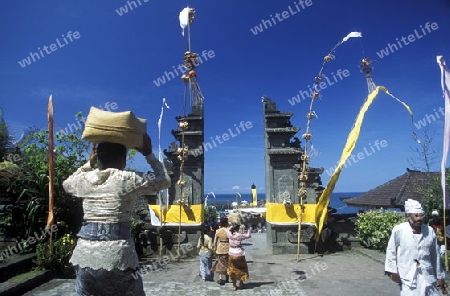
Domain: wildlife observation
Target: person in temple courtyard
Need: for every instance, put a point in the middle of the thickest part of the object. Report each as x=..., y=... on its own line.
x=206, y=253
x=412, y=255
x=105, y=258
x=237, y=264
x=222, y=246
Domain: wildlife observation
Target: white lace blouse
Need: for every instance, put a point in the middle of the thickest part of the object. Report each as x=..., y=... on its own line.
x=108, y=197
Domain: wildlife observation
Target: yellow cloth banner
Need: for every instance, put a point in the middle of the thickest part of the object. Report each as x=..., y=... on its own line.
x=324, y=199
x=277, y=212
x=189, y=215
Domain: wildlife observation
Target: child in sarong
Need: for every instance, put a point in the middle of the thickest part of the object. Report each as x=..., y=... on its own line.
x=206, y=252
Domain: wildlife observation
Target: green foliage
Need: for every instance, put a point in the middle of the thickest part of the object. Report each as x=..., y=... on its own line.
x=137, y=231
x=433, y=196
x=130, y=159
x=31, y=185
x=55, y=254
x=209, y=212
x=136, y=227
x=4, y=136
x=374, y=227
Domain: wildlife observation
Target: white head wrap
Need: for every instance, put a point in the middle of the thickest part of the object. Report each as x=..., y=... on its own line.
x=435, y=213
x=413, y=207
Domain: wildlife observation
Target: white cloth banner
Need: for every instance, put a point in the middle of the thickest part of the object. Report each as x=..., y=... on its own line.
x=164, y=194
x=352, y=34
x=164, y=104
x=153, y=218
x=445, y=82
x=184, y=19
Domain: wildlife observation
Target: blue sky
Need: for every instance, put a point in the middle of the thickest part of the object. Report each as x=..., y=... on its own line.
x=113, y=58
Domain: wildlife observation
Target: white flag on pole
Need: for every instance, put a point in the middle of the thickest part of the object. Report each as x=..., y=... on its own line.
x=445, y=82
x=352, y=34
x=164, y=104
x=184, y=19
x=164, y=194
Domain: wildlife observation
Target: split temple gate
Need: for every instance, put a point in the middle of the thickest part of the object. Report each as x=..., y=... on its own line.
x=283, y=163
x=178, y=215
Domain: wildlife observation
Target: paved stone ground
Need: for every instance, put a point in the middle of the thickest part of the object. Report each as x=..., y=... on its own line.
x=345, y=273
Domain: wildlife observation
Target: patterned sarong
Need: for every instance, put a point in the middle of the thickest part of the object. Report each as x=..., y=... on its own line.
x=221, y=264
x=237, y=268
x=90, y=282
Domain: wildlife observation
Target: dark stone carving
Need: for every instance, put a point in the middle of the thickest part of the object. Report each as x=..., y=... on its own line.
x=306, y=234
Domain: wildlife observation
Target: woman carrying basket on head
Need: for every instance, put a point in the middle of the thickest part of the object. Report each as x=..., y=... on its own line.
x=105, y=258
x=237, y=265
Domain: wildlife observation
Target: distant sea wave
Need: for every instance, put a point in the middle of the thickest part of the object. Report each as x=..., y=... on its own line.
x=223, y=201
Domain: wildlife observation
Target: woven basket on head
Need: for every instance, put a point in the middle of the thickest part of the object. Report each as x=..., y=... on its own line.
x=116, y=127
x=237, y=218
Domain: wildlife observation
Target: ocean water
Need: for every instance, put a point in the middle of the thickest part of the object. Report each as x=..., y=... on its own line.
x=223, y=201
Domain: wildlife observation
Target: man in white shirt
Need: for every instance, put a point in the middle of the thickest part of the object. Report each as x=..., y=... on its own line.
x=412, y=255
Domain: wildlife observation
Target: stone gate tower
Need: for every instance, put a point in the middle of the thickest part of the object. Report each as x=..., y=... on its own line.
x=283, y=162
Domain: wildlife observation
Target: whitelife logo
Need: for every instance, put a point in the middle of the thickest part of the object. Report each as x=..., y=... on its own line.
x=71, y=127
x=124, y=9
x=411, y=38
x=301, y=5
x=53, y=47
x=321, y=86
x=182, y=68
x=360, y=156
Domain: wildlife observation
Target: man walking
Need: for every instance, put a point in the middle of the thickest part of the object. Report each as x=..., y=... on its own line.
x=412, y=255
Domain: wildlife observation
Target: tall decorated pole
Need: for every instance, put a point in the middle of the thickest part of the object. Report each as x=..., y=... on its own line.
x=192, y=94
x=51, y=164
x=183, y=211
x=51, y=169
x=352, y=139
x=445, y=82
x=303, y=175
x=163, y=195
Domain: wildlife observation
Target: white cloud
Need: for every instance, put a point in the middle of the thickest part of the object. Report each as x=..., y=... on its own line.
x=236, y=187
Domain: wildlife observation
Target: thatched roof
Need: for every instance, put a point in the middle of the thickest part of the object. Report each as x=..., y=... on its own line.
x=393, y=193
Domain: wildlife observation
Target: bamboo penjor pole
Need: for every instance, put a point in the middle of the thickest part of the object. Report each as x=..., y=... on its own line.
x=51, y=164
x=445, y=238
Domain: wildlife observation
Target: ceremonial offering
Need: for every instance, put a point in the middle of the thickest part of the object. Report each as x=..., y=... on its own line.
x=116, y=127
